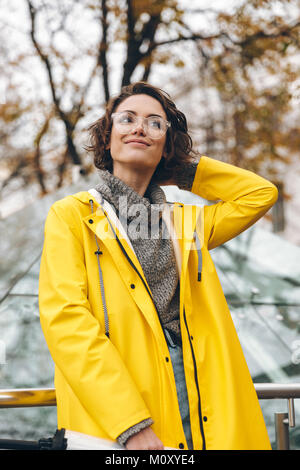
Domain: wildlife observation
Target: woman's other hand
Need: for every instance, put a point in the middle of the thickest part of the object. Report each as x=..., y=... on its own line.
x=144, y=440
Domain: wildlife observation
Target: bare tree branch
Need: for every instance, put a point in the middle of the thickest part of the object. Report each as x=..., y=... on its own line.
x=37, y=154
x=44, y=57
x=284, y=32
x=102, y=59
x=69, y=124
x=135, y=41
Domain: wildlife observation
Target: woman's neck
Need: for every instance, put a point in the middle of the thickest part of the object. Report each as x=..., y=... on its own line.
x=137, y=180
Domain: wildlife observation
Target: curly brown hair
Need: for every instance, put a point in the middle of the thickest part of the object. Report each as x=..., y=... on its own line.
x=179, y=146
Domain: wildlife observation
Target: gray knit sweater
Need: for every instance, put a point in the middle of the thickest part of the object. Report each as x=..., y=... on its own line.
x=141, y=217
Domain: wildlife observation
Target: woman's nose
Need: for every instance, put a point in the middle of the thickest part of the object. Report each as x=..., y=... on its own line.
x=139, y=128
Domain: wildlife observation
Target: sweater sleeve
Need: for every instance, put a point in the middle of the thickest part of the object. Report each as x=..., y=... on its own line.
x=186, y=176
x=123, y=438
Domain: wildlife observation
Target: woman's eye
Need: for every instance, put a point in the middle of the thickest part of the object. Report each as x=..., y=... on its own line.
x=155, y=123
x=125, y=118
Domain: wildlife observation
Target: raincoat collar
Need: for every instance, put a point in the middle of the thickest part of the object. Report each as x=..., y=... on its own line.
x=184, y=222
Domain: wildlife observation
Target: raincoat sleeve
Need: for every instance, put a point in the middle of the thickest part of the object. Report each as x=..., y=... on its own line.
x=88, y=360
x=241, y=198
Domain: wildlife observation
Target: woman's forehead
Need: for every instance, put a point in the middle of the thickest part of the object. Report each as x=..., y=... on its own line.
x=143, y=105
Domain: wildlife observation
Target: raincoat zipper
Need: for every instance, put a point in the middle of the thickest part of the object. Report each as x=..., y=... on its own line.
x=197, y=384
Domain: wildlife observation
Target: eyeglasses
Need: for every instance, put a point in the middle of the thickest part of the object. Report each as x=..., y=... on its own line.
x=154, y=126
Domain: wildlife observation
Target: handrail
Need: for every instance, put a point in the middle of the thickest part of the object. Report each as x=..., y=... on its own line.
x=31, y=397
x=28, y=397
x=272, y=390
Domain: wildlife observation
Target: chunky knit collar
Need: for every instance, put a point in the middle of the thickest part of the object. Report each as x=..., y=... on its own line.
x=123, y=197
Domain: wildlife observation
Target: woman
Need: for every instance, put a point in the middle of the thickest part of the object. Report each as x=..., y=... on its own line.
x=131, y=306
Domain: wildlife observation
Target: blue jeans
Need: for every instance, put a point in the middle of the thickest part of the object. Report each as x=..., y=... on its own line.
x=178, y=369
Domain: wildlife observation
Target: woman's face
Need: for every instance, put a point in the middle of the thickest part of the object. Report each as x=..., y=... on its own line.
x=136, y=149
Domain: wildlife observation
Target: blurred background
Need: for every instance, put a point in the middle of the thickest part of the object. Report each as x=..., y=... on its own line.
x=233, y=69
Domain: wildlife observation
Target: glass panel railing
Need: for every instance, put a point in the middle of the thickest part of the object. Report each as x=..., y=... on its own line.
x=22, y=233
x=259, y=273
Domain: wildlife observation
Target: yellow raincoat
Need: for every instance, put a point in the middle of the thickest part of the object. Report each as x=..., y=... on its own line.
x=105, y=385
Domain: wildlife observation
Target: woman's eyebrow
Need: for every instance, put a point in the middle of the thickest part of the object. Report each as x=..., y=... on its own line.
x=134, y=112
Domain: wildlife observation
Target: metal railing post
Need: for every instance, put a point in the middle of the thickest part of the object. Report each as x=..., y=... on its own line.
x=282, y=431
x=283, y=421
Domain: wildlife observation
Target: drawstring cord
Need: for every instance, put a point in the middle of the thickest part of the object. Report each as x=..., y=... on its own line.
x=104, y=306
x=199, y=253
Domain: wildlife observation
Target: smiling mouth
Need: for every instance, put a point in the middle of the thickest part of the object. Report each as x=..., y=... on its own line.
x=138, y=142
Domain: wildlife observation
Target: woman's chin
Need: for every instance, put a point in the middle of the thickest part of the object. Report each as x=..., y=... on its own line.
x=135, y=162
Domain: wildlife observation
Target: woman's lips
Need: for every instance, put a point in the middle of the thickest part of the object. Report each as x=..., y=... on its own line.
x=138, y=143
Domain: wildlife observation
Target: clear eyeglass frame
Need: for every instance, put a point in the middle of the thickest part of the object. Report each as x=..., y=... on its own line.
x=154, y=133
